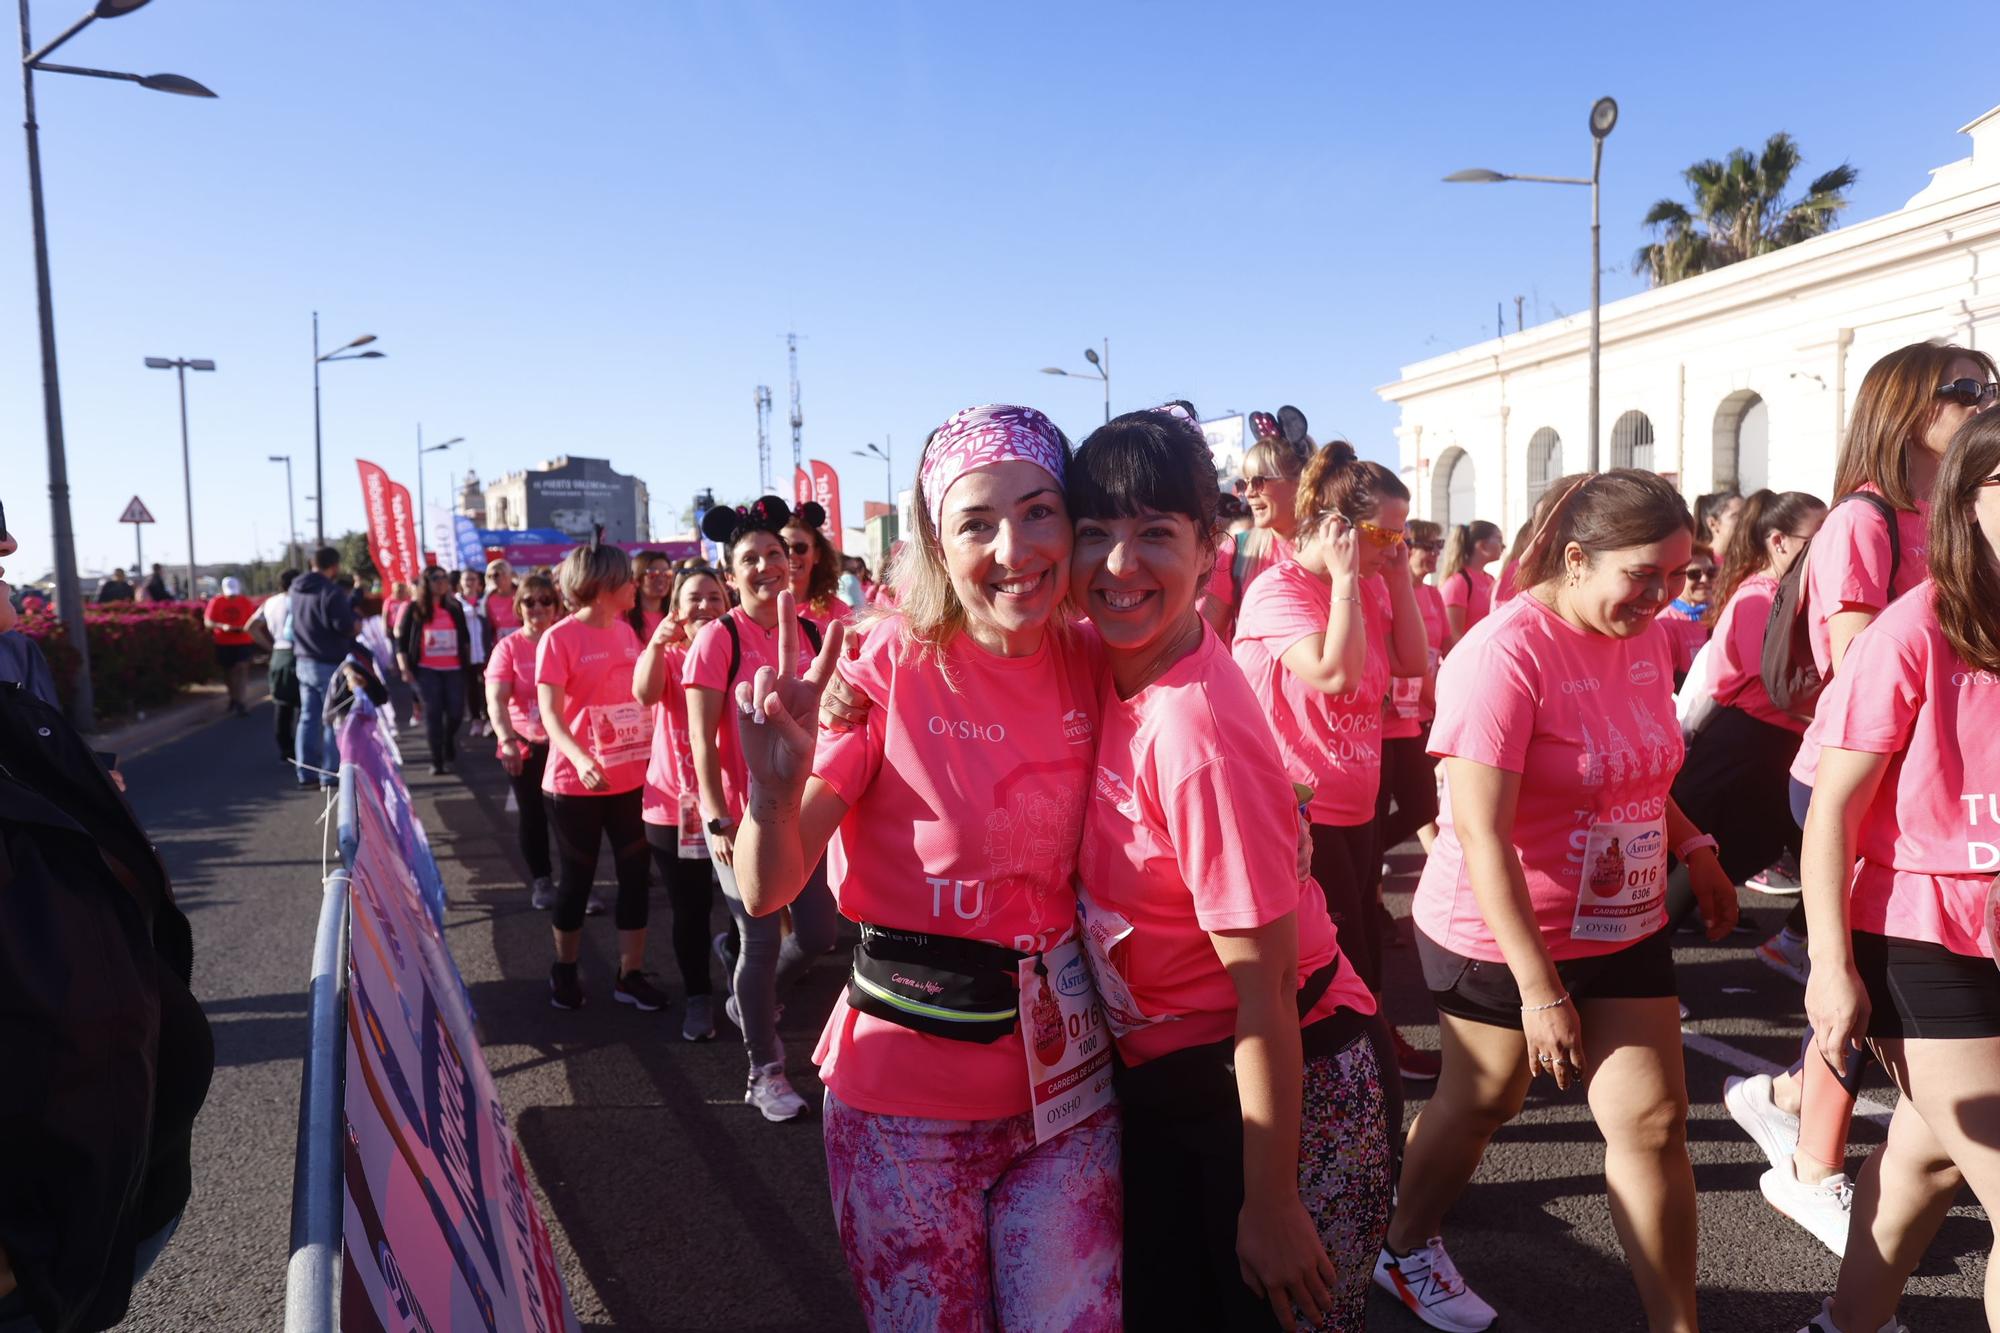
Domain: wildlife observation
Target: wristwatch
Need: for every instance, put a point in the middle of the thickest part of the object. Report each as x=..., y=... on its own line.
x=1693, y=845
x=720, y=826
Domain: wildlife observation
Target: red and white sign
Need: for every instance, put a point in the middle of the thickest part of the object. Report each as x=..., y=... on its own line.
x=393, y=557
x=136, y=512
x=826, y=492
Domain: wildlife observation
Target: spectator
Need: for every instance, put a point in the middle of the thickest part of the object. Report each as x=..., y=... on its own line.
x=322, y=638
x=156, y=589
x=479, y=634
x=853, y=581
x=274, y=623
x=433, y=644
x=20, y=659
x=227, y=617
x=501, y=613
x=115, y=588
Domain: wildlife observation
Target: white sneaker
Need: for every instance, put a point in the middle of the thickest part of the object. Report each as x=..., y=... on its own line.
x=771, y=1092
x=1429, y=1286
x=1822, y=1209
x=1785, y=954
x=1750, y=1105
x=1823, y=1322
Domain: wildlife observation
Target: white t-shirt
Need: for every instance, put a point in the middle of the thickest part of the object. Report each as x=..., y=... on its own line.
x=277, y=615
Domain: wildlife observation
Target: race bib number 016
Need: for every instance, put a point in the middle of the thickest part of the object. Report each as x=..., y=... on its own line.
x=1067, y=1043
x=1624, y=882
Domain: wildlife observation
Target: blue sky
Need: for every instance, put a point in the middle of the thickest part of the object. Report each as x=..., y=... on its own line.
x=585, y=228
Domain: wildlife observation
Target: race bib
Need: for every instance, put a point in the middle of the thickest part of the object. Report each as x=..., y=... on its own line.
x=1101, y=930
x=617, y=733
x=1065, y=1038
x=693, y=835
x=1405, y=693
x=1622, y=892
x=441, y=642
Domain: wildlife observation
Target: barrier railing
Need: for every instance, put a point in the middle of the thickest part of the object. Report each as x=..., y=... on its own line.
x=312, y=1279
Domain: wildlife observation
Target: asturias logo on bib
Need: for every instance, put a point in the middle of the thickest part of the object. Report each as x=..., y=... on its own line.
x=1645, y=846
x=1643, y=672
x=1076, y=727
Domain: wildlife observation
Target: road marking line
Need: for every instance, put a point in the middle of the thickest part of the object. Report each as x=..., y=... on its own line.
x=1723, y=1052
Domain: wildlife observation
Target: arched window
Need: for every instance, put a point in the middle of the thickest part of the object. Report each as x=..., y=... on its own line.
x=1545, y=462
x=1742, y=443
x=1632, y=441
x=1452, y=488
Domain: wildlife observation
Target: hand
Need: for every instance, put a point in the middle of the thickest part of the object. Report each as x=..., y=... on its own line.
x=1339, y=546
x=1555, y=1044
x=668, y=633
x=590, y=775
x=722, y=846
x=842, y=707
x=1714, y=895
x=1396, y=563
x=1837, y=1007
x=779, y=726
x=1282, y=1259
x=513, y=755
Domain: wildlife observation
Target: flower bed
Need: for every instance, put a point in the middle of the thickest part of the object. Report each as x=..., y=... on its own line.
x=141, y=654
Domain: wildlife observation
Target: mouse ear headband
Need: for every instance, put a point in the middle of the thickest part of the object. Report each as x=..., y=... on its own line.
x=724, y=523
x=981, y=437
x=1287, y=428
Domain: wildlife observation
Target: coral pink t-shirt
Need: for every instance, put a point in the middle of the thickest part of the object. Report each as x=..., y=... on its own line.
x=513, y=661
x=1735, y=662
x=1330, y=742
x=707, y=667
x=1192, y=827
x=1930, y=842
x=1505, y=586
x=500, y=614
x=1471, y=591
x=670, y=766
x=964, y=806
x=438, y=644
x=1588, y=722
x=1263, y=550
x=594, y=668
x=1409, y=703
x=1685, y=638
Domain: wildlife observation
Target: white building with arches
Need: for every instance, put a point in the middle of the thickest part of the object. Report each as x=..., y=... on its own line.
x=1740, y=378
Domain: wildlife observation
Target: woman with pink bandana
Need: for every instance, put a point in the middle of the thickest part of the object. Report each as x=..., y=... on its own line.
x=951, y=820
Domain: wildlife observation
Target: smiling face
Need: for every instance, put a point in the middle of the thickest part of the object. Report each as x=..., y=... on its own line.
x=802, y=551
x=1620, y=592
x=656, y=581
x=541, y=608
x=700, y=600
x=1137, y=578
x=1700, y=580
x=1949, y=416
x=1272, y=499
x=759, y=569
x=1006, y=541
x=1424, y=557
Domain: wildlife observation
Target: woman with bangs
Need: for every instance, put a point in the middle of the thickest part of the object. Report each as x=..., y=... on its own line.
x=815, y=568
x=950, y=818
x=1256, y=1158
x=1271, y=471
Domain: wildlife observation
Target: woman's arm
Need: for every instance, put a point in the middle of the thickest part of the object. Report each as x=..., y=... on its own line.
x=1714, y=892
x=781, y=840
x=650, y=677
x=1409, y=650
x=1454, y=626
x=1334, y=661
x=1836, y=1003
x=704, y=730
x=1841, y=627
x=552, y=700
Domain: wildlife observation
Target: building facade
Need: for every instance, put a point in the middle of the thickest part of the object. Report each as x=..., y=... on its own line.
x=1740, y=378
x=571, y=495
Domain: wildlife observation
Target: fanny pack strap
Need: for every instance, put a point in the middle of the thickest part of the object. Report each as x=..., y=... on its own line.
x=1317, y=985
x=943, y=950
x=943, y=985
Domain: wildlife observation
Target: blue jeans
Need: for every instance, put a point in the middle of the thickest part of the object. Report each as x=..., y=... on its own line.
x=315, y=746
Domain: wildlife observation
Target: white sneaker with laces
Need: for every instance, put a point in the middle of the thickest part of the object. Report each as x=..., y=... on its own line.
x=1750, y=1105
x=1823, y=1322
x=1429, y=1286
x=1822, y=1209
x=771, y=1093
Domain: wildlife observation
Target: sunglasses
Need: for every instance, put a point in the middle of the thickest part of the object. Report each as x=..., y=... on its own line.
x=438, y=576
x=1993, y=480
x=799, y=549
x=539, y=601
x=1258, y=483
x=1379, y=536
x=1426, y=546
x=1701, y=576
x=1968, y=393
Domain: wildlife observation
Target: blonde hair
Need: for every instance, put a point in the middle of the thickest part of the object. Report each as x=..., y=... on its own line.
x=1274, y=458
x=497, y=566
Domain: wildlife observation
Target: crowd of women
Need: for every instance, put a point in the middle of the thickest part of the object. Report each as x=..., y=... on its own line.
x=1099, y=769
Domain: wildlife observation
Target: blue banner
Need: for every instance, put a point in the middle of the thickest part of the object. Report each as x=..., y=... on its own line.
x=505, y=537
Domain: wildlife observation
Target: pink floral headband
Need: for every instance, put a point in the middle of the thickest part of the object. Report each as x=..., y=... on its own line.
x=982, y=436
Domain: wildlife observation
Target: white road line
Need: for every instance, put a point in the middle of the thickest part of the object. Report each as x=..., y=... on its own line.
x=1722, y=1051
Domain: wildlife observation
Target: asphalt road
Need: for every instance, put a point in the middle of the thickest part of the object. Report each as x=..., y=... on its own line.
x=676, y=1207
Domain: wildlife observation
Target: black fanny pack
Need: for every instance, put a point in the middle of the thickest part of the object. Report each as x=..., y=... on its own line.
x=963, y=990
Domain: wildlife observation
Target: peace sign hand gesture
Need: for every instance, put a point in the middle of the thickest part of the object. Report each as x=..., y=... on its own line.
x=779, y=727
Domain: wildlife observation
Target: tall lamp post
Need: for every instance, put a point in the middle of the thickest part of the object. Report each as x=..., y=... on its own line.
x=181, y=366
x=873, y=450
x=69, y=593
x=292, y=554
x=1603, y=118
x=344, y=352
x=1101, y=366
x=423, y=514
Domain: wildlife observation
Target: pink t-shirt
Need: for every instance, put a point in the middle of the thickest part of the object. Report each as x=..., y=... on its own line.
x=1330, y=742
x=437, y=642
x=1408, y=709
x=1684, y=638
x=836, y=608
x=670, y=766
x=594, y=668
x=1264, y=550
x=707, y=667
x=1930, y=841
x=1588, y=722
x=513, y=661
x=1471, y=591
x=500, y=614
x=1735, y=662
x=1192, y=827
x=1505, y=587
x=648, y=622
x=965, y=795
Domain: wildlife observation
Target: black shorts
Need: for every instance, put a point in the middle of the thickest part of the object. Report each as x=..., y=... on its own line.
x=1924, y=990
x=1483, y=992
x=232, y=654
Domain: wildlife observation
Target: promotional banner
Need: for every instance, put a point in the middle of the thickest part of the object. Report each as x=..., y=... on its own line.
x=408, y=552
x=524, y=558
x=440, y=1226
x=802, y=486
x=382, y=547
x=471, y=555
x=505, y=537
x=826, y=490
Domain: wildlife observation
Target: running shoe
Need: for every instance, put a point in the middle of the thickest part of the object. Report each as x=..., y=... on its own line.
x=542, y=893
x=771, y=1093
x=1780, y=878
x=1429, y=1286
x=565, y=991
x=641, y=994
x=1823, y=1322
x=1785, y=954
x=698, y=1024
x=727, y=956
x=1750, y=1105
x=1822, y=1209
x=596, y=906
x=1415, y=1065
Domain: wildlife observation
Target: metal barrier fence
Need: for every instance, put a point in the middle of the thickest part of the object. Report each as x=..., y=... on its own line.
x=312, y=1278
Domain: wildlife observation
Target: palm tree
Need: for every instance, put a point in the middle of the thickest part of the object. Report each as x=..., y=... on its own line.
x=1740, y=211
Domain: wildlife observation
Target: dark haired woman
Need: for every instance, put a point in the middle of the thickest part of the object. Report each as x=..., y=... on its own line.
x=952, y=816
x=1687, y=619
x=654, y=573
x=1901, y=844
x=768, y=962
x=1715, y=517
x=1463, y=582
x=514, y=704
x=432, y=647
x=1256, y=1158
x=815, y=569
x=1541, y=913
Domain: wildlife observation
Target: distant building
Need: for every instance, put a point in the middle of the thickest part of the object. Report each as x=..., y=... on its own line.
x=570, y=495
x=472, y=499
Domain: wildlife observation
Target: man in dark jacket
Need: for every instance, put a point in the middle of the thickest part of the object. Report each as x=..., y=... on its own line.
x=322, y=638
x=115, y=588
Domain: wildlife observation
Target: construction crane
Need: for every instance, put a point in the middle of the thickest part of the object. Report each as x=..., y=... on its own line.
x=798, y=416
x=764, y=439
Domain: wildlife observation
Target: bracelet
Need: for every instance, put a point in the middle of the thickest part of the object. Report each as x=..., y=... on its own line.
x=1346, y=599
x=1556, y=1003
x=1693, y=845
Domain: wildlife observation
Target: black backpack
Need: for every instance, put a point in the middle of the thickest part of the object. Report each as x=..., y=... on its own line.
x=1786, y=664
x=806, y=627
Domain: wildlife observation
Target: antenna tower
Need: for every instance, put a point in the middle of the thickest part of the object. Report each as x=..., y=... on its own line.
x=798, y=417
x=764, y=438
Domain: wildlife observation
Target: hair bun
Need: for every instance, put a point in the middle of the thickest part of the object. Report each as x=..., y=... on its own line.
x=811, y=515
x=1341, y=452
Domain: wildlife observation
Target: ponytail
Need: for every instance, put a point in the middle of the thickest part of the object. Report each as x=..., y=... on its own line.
x=1764, y=512
x=1336, y=482
x=1459, y=546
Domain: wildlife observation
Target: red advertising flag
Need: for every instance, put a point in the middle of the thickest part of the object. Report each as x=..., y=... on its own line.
x=408, y=552
x=826, y=490
x=802, y=486
x=375, y=485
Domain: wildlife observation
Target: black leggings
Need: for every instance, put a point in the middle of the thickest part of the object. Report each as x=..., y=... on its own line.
x=443, y=692
x=1735, y=787
x=1346, y=864
x=580, y=822
x=691, y=895
x=1409, y=785
x=533, y=819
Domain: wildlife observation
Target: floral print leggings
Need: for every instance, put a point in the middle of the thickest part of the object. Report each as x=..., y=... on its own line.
x=970, y=1225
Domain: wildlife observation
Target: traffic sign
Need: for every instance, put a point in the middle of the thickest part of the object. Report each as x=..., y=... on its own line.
x=136, y=512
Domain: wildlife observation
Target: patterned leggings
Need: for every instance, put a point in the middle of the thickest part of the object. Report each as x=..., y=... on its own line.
x=971, y=1226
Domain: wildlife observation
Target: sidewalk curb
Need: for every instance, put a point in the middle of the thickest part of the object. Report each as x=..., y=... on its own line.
x=198, y=708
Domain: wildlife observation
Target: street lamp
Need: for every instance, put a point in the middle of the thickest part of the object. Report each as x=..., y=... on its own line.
x=423, y=514
x=344, y=352
x=1101, y=368
x=292, y=554
x=181, y=367
x=1603, y=118
x=872, y=450
x=69, y=594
